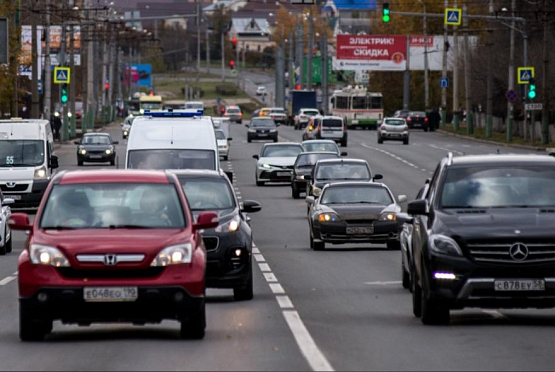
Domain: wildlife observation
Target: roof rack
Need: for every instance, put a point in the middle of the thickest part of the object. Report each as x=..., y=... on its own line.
x=190, y=113
x=449, y=158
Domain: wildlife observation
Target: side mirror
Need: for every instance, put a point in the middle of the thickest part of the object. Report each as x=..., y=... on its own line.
x=19, y=221
x=377, y=177
x=427, y=181
x=309, y=200
x=206, y=220
x=251, y=206
x=418, y=208
x=76, y=142
x=230, y=139
x=401, y=198
x=54, y=162
x=256, y=157
x=229, y=175
x=8, y=201
x=115, y=142
x=317, y=191
x=248, y=126
x=343, y=153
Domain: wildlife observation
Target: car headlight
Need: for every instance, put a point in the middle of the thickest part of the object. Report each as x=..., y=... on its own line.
x=83, y=152
x=43, y=255
x=273, y=130
x=252, y=131
x=108, y=152
x=125, y=132
x=300, y=177
x=387, y=217
x=444, y=245
x=176, y=254
x=267, y=166
x=40, y=173
x=328, y=217
x=141, y=111
x=230, y=226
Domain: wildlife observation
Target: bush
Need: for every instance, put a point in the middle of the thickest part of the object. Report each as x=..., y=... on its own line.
x=226, y=90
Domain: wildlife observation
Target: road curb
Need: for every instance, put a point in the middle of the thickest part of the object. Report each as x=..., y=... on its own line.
x=58, y=145
x=524, y=147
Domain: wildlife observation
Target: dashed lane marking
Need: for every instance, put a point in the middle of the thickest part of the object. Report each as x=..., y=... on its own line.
x=7, y=280
x=259, y=258
x=264, y=267
x=284, y=302
x=270, y=277
x=446, y=149
x=384, y=283
x=255, y=250
x=406, y=162
x=276, y=288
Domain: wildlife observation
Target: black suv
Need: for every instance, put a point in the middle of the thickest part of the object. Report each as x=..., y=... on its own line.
x=483, y=236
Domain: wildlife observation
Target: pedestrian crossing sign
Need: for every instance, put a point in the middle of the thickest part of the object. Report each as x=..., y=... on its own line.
x=525, y=74
x=62, y=75
x=453, y=16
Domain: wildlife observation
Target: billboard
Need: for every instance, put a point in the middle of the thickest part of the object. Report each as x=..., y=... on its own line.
x=56, y=44
x=140, y=74
x=371, y=53
x=435, y=51
x=317, y=71
x=26, y=56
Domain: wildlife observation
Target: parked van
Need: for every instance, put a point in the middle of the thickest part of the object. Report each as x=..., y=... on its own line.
x=172, y=140
x=152, y=103
x=27, y=160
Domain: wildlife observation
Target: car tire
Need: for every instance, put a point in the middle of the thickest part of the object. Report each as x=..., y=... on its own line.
x=275, y=139
x=406, y=142
x=79, y=163
x=112, y=162
x=193, y=327
x=416, y=296
x=296, y=194
x=8, y=244
x=249, y=140
x=394, y=245
x=245, y=293
x=380, y=140
x=32, y=329
x=259, y=183
x=226, y=157
x=406, y=278
x=316, y=246
x=426, y=129
x=434, y=313
x=344, y=143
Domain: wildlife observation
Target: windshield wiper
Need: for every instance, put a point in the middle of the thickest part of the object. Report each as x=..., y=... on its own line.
x=58, y=228
x=128, y=227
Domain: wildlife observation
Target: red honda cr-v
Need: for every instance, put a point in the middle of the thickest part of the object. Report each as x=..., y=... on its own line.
x=112, y=246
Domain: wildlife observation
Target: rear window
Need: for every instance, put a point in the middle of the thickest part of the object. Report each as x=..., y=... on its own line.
x=233, y=111
x=394, y=122
x=278, y=111
x=332, y=123
x=220, y=135
x=308, y=160
x=263, y=123
x=310, y=112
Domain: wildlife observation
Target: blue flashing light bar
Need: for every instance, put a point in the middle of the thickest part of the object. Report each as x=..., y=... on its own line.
x=175, y=114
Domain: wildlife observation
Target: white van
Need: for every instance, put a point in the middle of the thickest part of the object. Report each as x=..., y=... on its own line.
x=172, y=140
x=27, y=160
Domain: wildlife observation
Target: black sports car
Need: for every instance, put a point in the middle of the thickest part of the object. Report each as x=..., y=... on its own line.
x=97, y=148
x=355, y=212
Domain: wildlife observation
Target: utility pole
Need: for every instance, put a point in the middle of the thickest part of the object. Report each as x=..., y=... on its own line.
x=280, y=77
x=406, y=78
x=198, y=36
x=468, y=104
x=91, y=100
x=104, y=68
x=489, y=88
x=510, y=105
x=455, y=78
x=34, y=63
x=291, y=63
x=300, y=47
x=47, y=73
x=63, y=62
x=15, y=61
x=426, y=72
x=207, y=51
x=223, y=54
x=72, y=82
x=325, y=99
x=444, y=72
x=310, y=49
x=545, y=90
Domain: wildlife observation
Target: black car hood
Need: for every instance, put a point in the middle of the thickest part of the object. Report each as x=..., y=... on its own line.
x=357, y=211
x=493, y=223
x=96, y=147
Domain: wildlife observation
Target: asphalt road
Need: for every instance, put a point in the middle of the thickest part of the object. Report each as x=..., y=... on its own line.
x=343, y=308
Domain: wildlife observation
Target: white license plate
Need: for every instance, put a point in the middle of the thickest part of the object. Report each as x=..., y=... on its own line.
x=518, y=285
x=96, y=156
x=11, y=196
x=283, y=174
x=262, y=134
x=110, y=294
x=363, y=230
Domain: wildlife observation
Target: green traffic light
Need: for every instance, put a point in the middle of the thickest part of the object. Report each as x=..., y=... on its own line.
x=532, y=94
x=385, y=18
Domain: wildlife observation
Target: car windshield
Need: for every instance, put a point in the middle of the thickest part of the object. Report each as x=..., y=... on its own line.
x=113, y=205
x=285, y=151
x=277, y=111
x=343, y=171
x=171, y=159
x=196, y=106
x=356, y=195
x=262, y=123
x=220, y=135
x=96, y=140
x=21, y=153
x=308, y=160
x=233, y=111
x=499, y=187
x=311, y=113
x=151, y=105
x=394, y=122
x=332, y=123
x=320, y=146
x=208, y=194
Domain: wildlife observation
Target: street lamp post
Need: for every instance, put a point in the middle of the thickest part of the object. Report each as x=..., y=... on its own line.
x=426, y=72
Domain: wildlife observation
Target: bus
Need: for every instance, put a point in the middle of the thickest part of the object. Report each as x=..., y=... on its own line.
x=152, y=103
x=358, y=107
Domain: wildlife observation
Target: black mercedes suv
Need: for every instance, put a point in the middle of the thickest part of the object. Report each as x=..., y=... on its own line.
x=484, y=236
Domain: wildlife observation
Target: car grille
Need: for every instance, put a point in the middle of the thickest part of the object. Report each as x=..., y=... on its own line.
x=97, y=152
x=499, y=251
x=284, y=167
x=103, y=273
x=359, y=222
x=17, y=188
x=211, y=243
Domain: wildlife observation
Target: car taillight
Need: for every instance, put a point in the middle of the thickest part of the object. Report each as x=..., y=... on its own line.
x=226, y=114
x=425, y=119
x=409, y=119
x=240, y=114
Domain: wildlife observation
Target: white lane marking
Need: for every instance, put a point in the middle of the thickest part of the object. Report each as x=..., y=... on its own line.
x=264, y=267
x=446, y=149
x=15, y=273
x=384, y=283
x=255, y=250
x=406, y=162
x=310, y=350
x=494, y=313
x=284, y=302
x=276, y=288
x=270, y=277
x=7, y=280
x=259, y=258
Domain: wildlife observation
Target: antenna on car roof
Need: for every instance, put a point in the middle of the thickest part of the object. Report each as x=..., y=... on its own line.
x=172, y=136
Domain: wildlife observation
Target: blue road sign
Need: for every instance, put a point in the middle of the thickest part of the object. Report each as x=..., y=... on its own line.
x=525, y=74
x=444, y=82
x=453, y=16
x=62, y=75
x=40, y=86
x=511, y=95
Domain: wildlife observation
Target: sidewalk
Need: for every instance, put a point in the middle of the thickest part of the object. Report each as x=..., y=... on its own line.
x=78, y=134
x=480, y=140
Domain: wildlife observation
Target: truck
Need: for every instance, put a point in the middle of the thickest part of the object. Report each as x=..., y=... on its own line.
x=300, y=99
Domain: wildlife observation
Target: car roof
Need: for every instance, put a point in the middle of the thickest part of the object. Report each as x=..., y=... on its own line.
x=312, y=109
x=263, y=118
x=356, y=183
x=330, y=117
x=498, y=159
x=342, y=160
x=112, y=176
x=282, y=144
x=319, y=141
x=96, y=134
x=318, y=153
x=196, y=173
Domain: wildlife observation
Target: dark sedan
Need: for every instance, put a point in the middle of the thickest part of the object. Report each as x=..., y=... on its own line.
x=355, y=212
x=263, y=128
x=418, y=119
x=96, y=148
x=228, y=246
x=303, y=167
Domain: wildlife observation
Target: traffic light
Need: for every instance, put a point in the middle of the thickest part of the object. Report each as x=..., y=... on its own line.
x=532, y=88
x=234, y=41
x=232, y=64
x=385, y=13
x=64, y=93
x=106, y=86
